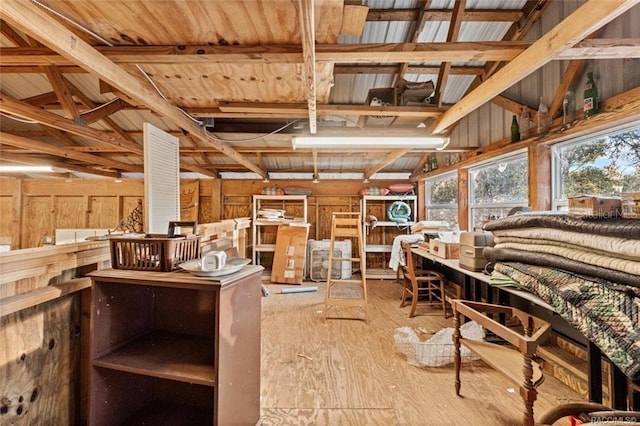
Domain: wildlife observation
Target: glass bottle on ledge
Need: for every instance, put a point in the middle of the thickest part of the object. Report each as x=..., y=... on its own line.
x=590, y=97
x=543, y=117
x=568, y=109
x=434, y=162
x=515, y=129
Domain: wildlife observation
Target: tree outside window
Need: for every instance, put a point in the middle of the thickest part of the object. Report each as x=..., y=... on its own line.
x=496, y=187
x=606, y=165
x=442, y=198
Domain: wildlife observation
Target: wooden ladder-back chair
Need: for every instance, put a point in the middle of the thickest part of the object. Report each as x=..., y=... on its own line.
x=427, y=283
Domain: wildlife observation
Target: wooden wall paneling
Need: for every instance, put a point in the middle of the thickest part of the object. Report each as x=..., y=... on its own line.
x=463, y=199
x=6, y=219
x=39, y=363
x=37, y=220
x=68, y=212
x=103, y=212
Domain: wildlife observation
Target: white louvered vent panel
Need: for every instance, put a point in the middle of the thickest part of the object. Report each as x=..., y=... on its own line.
x=161, y=179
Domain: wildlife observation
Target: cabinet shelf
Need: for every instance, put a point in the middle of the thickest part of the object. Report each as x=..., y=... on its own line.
x=164, y=355
x=172, y=348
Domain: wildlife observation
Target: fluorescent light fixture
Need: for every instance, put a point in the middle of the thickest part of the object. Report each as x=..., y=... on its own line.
x=30, y=169
x=390, y=142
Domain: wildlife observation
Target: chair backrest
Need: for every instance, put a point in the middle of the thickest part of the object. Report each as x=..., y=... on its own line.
x=408, y=268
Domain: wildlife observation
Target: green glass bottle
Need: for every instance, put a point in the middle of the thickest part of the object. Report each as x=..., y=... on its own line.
x=590, y=97
x=515, y=129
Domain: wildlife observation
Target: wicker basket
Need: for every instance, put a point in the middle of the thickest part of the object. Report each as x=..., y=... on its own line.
x=153, y=253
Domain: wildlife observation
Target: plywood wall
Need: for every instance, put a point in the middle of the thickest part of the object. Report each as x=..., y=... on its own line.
x=32, y=209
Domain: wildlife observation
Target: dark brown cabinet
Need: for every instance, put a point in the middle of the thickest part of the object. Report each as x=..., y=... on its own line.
x=175, y=349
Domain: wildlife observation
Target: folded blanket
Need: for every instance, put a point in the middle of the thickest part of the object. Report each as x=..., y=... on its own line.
x=578, y=254
x=496, y=254
x=621, y=228
x=620, y=247
x=607, y=313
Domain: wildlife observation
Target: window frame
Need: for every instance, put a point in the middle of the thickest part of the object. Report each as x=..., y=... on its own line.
x=520, y=154
x=562, y=204
x=429, y=182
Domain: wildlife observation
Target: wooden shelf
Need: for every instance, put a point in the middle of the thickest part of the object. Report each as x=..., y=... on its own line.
x=165, y=355
x=377, y=248
x=504, y=359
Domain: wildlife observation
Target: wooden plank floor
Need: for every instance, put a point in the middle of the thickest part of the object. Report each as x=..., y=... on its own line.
x=346, y=372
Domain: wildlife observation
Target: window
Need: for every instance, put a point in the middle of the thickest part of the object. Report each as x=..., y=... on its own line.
x=442, y=198
x=497, y=186
x=607, y=164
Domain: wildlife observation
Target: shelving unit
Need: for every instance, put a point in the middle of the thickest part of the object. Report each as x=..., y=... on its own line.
x=172, y=348
x=264, y=231
x=380, y=239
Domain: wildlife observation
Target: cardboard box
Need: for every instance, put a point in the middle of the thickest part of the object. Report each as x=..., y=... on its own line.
x=471, y=246
x=631, y=205
x=592, y=206
x=445, y=250
x=290, y=253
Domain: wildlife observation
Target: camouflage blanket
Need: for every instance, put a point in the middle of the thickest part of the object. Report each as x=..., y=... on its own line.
x=607, y=313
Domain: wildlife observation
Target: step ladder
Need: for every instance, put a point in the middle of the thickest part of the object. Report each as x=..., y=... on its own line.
x=346, y=225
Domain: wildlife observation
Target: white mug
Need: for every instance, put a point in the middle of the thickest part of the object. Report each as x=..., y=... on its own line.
x=213, y=261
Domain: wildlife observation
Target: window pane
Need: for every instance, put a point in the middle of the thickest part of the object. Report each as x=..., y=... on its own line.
x=443, y=191
x=442, y=198
x=449, y=215
x=605, y=165
x=501, y=182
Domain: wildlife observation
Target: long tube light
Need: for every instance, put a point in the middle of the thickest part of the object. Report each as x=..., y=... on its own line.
x=30, y=169
x=391, y=142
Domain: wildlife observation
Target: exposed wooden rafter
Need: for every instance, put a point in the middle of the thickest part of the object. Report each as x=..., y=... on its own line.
x=388, y=159
x=482, y=15
x=62, y=152
x=586, y=19
x=33, y=21
x=452, y=35
x=307, y=32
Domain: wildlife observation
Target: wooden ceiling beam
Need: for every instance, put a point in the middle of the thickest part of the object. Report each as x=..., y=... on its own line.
x=11, y=34
x=62, y=91
x=452, y=35
x=25, y=59
x=36, y=23
x=420, y=20
x=12, y=106
x=64, y=152
x=482, y=15
x=43, y=99
x=106, y=119
x=616, y=48
x=300, y=109
x=337, y=53
x=100, y=112
x=585, y=20
x=25, y=158
x=308, y=35
x=411, y=69
x=388, y=159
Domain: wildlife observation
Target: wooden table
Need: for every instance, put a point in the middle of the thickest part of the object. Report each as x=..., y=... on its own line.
x=476, y=287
